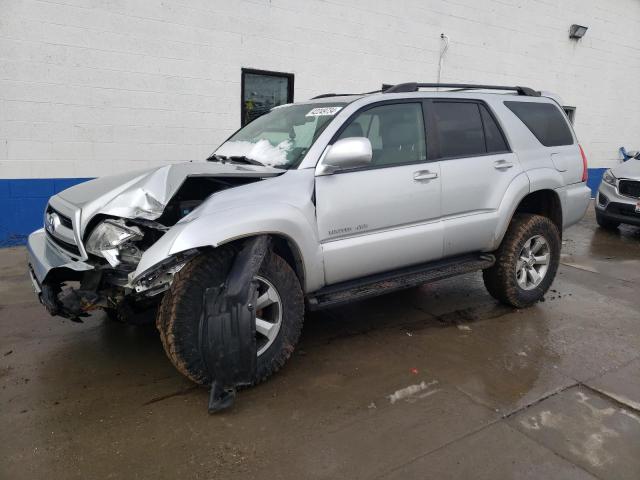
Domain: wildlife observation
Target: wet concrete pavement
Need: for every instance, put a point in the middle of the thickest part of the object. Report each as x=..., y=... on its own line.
x=552, y=391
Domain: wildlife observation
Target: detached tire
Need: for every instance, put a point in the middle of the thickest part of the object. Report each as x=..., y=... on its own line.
x=181, y=308
x=526, y=262
x=605, y=223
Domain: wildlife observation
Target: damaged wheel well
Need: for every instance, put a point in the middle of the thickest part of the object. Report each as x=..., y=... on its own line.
x=283, y=247
x=288, y=250
x=545, y=203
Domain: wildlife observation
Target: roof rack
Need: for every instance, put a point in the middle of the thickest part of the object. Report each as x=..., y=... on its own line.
x=414, y=87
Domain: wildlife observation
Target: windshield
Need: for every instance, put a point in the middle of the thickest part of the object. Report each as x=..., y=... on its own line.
x=282, y=137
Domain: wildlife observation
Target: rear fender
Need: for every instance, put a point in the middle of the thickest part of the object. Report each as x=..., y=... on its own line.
x=528, y=182
x=518, y=189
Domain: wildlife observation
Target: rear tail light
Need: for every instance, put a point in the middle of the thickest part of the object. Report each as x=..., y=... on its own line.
x=585, y=173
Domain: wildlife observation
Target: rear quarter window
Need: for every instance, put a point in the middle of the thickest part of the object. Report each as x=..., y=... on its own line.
x=545, y=121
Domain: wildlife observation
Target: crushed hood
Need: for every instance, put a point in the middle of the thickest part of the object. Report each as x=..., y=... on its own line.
x=144, y=194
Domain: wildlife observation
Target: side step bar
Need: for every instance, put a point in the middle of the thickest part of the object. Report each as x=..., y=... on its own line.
x=387, y=282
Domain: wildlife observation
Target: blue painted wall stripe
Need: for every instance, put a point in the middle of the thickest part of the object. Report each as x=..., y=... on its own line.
x=595, y=177
x=22, y=203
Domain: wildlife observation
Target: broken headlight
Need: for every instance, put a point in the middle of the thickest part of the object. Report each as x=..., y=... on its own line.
x=109, y=238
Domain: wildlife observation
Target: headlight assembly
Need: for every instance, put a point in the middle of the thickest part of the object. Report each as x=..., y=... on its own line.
x=609, y=178
x=108, y=237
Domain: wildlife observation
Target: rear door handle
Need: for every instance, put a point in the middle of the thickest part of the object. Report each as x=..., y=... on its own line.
x=502, y=164
x=422, y=175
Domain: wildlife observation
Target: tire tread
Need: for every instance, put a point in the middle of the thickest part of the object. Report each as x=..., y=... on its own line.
x=179, y=313
x=500, y=279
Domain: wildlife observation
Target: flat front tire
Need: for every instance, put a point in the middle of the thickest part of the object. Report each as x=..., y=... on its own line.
x=279, y=312
x=526, y=261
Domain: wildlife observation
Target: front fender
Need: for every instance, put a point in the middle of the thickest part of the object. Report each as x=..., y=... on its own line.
x=220, y=227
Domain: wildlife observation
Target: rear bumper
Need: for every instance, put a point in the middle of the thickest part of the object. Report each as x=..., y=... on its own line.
x=44, y=257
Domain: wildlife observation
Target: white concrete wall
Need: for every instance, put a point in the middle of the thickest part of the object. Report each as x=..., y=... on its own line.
x=94, y=87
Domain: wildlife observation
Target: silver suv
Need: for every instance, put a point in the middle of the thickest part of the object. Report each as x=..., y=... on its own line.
x=358, y=195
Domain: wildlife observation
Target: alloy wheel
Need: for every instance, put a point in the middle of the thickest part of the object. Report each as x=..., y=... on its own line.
x=268, y=314
x=533, y=262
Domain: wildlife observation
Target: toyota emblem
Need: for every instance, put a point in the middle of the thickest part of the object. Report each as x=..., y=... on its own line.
x=50, y=222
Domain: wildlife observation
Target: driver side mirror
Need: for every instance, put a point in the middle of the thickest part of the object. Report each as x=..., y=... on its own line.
x=347, y=153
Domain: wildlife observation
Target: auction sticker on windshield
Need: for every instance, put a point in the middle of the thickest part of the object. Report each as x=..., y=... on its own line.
x=323, y=111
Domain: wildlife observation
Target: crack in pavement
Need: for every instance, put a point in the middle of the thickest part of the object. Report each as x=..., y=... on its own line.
x=161, y=398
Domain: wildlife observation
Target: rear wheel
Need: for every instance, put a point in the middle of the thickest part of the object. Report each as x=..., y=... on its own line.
x=606, y=223
x=526, y=262
x=279, y=313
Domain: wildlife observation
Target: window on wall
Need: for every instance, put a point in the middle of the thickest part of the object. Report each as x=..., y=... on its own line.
x=263, y=90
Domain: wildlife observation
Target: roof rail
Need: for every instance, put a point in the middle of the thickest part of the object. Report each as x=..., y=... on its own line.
x=414, y=87
x=326, y=95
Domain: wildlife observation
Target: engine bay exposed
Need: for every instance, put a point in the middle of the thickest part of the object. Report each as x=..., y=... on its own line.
x=115, y=246
x=194, y=191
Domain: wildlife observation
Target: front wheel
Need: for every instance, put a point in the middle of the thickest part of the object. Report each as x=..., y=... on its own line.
x=279, y=313
x=526, y=262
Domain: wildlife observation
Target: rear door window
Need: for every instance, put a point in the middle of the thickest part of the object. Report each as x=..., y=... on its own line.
x=545, y=121
x=493, y=136
x=459, y=129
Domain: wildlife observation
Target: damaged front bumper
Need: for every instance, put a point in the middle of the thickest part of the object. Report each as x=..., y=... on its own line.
x=48, y=267
x=72, y=288
x=45, y=257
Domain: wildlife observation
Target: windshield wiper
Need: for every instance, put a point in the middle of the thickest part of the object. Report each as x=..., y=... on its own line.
x=216, y=158
x=233, y=158
x=244, y=159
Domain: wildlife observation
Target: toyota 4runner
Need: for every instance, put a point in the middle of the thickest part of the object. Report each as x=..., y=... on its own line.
x=358, y=195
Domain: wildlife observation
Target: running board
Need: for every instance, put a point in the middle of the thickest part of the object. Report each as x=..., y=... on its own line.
x=387, y=282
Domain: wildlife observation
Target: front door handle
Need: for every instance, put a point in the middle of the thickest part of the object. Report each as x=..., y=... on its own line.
x=502, y=165
x=422, y=175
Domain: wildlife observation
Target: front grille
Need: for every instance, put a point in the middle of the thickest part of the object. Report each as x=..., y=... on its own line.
x=630, y=188
x=69, y=247
x=64, y=220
